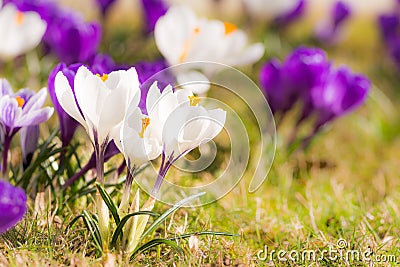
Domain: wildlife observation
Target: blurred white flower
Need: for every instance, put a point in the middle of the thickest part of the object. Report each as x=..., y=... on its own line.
x=20, y=31
x=270, y=8
x=183, y=37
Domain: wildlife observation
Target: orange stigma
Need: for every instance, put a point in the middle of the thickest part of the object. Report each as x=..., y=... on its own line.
x=20, y=101
x=104, y=77
x=145, y=124
x=194, y=100
x=19, y=17
x=229, y=28
x=188, y=44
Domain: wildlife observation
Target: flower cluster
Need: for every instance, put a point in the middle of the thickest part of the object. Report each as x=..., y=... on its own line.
x=67, y=34
x=107, y=106
x=307, y=78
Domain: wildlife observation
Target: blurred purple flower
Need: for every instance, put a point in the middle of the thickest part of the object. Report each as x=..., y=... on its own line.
x=292, y=15
x=328, y=33
x=105, y=5
x=153, y=10
x=22, y=109
x=12, y=205
x=306, y=76
x=341, y=92
x=287, y=83
x=149, y=72
x=72, y=39
x=389, y=26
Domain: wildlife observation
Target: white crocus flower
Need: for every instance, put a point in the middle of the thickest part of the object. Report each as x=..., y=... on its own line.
x=139, y=142
x=140, y=137
x=20, y=31
x=100, y=103
x=183, y=37
x=189, y=126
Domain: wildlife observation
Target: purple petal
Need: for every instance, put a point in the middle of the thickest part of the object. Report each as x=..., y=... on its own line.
x=12, y=205
x=35, y=117
x=153, y=10
x=292, y=15
x=5, y=88
x=9, y=111
x=29, y=137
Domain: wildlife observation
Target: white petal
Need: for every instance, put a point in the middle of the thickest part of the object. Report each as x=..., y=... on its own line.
x=194, y=81
x=66, y=98
x=91, y=94
x=172, y=30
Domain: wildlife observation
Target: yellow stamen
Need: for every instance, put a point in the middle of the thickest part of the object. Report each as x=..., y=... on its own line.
x=229, y=28
x=194, y=100
x=104, y=77
x=188, y=44
x=19, y=17
x=145, y=124
x=20, y=101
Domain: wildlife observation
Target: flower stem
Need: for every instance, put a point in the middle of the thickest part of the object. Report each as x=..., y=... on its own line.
x=6, y=148
x=161, y=175
x=102, y=209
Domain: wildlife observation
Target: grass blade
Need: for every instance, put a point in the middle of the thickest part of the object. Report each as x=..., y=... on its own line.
x=93, y=228
x=201, y=233
x=165, y=215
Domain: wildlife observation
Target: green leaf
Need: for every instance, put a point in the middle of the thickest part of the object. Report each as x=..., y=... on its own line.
x=165, y=215
x=93, y=228
x=154, y=243
x=73, y=222
x=110, y=204
x=124, y=220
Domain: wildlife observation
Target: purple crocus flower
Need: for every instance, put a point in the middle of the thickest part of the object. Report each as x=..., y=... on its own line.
x=389, y=26
x=329, y=33
x=105, y=5
x=153, y=10
x=12, y=205
x=341, y=92
x=72, y=39
x=292, y=15
x=306, y=76
x=289, y=82
x=22, y=109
